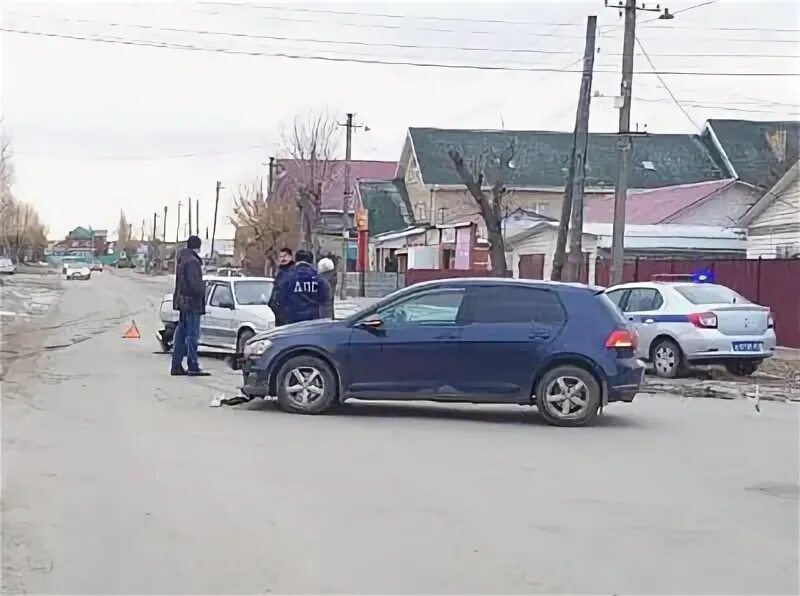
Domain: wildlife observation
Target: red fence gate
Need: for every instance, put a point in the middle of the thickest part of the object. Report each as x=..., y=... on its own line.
x=770, y=282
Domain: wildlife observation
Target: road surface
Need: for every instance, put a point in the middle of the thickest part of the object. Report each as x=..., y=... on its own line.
x=118, y=478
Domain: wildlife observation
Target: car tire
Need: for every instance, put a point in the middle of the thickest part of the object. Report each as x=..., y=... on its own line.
x=318, y=382
x=667, y=359
x=742, y=367
x=575, y=408
x=244, y=336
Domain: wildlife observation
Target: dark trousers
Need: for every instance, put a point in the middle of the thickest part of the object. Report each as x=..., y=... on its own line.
x=187, y=335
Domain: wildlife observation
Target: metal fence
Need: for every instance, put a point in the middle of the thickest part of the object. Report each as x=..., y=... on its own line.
x=376, y=284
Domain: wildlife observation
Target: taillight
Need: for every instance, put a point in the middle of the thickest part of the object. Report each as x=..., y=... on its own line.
x=706, y=320
x=771, y=322
x=622, y=338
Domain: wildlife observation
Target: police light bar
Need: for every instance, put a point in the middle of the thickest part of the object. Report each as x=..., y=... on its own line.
x=700, y=277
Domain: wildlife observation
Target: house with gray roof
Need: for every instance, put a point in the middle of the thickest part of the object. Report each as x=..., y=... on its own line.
x=540, y=166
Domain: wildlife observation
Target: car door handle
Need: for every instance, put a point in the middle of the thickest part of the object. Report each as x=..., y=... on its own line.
x=539, y=335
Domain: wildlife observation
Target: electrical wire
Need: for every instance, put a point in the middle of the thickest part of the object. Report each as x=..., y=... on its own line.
x=360, y=43
x=287, y=55
x=666, y=87
x=468, y=20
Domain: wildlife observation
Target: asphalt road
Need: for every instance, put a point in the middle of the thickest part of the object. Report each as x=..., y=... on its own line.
x=118, y=478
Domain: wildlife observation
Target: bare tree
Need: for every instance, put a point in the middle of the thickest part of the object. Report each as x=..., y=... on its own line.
x=123, y=233
x=310, y=144
x=492, y=171
x=6, y=173
x=263, y=227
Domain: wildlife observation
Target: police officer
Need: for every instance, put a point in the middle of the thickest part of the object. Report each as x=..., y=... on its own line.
x=301, y=291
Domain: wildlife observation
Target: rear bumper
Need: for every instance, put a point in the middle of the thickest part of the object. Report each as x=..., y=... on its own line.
x=708, y=345
x=628, y=379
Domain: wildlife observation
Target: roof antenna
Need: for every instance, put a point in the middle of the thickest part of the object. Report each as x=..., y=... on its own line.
x=502, y=123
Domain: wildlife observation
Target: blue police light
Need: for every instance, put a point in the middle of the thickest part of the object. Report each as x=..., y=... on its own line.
x=703, y=277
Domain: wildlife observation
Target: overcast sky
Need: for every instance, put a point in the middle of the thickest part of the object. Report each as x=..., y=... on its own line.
x=99, y=127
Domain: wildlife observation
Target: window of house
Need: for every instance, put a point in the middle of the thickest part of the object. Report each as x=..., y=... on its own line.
x=787, y=251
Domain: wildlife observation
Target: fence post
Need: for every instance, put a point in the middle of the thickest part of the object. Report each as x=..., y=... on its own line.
x=758, y=281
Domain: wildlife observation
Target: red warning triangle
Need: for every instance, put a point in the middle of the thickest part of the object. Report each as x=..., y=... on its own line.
x=132, y=332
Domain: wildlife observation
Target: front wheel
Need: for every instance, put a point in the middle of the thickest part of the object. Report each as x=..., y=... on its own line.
x=742, y=367
x=245, y=336
x=306, y=385
x=568, y=396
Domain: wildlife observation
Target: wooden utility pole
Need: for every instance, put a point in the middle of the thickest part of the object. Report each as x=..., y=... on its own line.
x=155, y=217
x=346, y=204
x=165, y=224
x=271, y=176
x=581, y=145
x=214, y=225
x=178, y=229
x=572, y=205
x=624, y=139
x=189, y=202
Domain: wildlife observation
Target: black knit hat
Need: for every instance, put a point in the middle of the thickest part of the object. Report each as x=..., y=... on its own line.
x=304, y=256
x=194, y=243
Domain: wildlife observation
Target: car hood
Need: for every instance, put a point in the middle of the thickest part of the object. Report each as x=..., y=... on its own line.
x=298, y=329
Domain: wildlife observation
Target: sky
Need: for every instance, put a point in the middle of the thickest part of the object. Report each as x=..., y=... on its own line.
x=100, y=127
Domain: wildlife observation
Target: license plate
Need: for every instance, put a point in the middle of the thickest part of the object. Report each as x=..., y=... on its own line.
x=748, y=346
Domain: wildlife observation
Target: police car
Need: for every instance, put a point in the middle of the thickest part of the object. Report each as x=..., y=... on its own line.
x=688, y=319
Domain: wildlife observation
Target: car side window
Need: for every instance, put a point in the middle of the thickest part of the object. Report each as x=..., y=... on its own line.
x=437, y=307
x=221, y=295
x=616, y=297
x=514, y=304
x=643, y=300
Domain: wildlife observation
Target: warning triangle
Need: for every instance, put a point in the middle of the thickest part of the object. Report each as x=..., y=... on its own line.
x=132, y=332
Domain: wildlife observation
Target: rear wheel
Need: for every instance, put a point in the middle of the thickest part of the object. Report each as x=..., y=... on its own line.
x=306, y=385
x=568, y=396
x=742, y=367
x=667, y=358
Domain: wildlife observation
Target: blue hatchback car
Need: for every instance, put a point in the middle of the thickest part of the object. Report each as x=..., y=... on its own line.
x=562, y=347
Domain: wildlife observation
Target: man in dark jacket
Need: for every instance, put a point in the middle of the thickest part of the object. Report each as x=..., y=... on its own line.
x=285, y=263
x=301, y=291
x=189, y=300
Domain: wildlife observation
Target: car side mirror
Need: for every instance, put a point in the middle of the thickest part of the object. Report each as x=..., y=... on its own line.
x=228, y=305
x=374, y=323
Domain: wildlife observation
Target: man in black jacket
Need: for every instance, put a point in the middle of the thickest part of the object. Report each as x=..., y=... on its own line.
x=285, y=264
x=189, y=299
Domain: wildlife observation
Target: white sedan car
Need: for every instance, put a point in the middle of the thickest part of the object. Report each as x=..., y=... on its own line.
x=236, y=310
x=680, y=322
x=77, y=270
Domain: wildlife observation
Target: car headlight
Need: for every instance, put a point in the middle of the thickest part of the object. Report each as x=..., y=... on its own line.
x=256, y=348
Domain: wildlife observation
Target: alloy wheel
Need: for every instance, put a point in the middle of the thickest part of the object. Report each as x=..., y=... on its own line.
x=567, y=397
x=304, y=385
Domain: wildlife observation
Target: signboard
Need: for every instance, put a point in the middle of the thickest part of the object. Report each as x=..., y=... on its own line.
x=448, y=235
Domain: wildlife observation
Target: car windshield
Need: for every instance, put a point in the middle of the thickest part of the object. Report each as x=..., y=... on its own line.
x=253, y=292
x=710, y=294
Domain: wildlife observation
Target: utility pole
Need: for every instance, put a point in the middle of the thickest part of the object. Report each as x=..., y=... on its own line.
x=346, y=204
x=624, y=140
x=197, y=217
x=189, y=201
x=178, y=229
x=165, y=224
x=155, y=217
x=214, y=227
x=581, y=145
x=143, y=224
x=271, y=178
x=572, y=204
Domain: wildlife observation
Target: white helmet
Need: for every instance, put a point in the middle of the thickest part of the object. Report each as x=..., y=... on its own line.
x=325, y=265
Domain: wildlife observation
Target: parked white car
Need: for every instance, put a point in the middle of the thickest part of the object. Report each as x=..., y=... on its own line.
x=78, y=271
x=7, y=266
x=681, y=322
x=236, y=310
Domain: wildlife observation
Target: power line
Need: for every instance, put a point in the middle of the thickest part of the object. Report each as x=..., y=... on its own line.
x=468, y=20
x=153, y=158
x=360, y=43
x=486, y=67
x=666, y=87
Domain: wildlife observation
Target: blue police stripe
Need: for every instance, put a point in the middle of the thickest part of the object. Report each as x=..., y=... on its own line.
x=664, y=318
